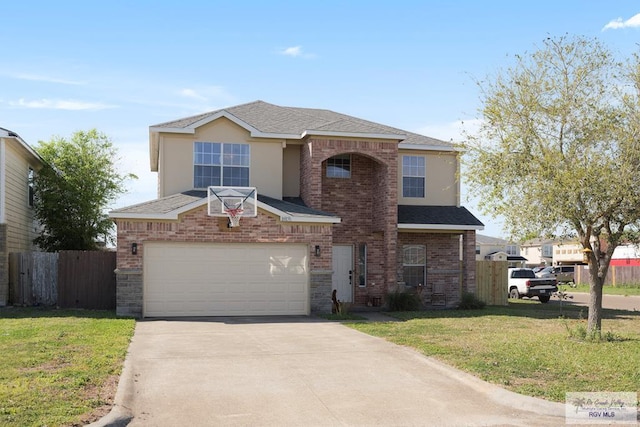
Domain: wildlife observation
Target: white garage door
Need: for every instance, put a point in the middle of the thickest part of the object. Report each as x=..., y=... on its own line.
x=189, y=279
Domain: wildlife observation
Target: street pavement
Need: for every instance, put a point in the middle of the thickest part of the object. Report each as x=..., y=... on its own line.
x=614, y=302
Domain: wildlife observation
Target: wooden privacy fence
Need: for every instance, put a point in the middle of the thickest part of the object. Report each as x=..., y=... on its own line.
x=491, y=282
x=32, y=278
x=617, y=275
x=68, y=279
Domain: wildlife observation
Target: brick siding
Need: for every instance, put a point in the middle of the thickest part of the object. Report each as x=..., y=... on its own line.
x=197, y=226
x=446, y=277
x=366, y=202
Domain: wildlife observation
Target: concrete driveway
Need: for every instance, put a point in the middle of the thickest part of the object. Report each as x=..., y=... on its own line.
x=302, y=372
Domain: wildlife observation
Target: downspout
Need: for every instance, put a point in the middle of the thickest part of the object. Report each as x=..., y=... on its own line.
x=2, y=180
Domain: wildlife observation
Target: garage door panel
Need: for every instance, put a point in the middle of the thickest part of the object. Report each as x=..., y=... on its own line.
x=225, y=279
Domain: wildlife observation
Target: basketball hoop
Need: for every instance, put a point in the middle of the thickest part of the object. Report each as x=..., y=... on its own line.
x=234, y=215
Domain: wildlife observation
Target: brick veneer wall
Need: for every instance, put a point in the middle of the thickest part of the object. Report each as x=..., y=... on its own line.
x=4, y=266
x=366, y=202
x=469, y=254
x=445, y=272
x=197, y=226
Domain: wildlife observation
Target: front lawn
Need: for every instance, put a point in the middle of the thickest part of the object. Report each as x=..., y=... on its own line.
x=525, y=347
x=59, y=367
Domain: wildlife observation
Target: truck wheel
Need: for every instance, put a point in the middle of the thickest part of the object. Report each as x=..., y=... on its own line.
x=513, y=293
x=544, y=298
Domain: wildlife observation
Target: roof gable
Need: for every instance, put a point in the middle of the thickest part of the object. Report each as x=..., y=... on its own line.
x=7, y=134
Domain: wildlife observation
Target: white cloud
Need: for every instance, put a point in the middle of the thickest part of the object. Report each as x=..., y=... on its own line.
x=60, y=104
x=191, y=93
x=632, y=22
x=296, y=52
x=40, y=78
x=292, y=51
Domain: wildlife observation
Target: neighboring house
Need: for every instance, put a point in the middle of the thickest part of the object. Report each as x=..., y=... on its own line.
x=496, y=249
x=538, y=252
x=344, y=204
x=567, y=252
x=541, y=252
x=18, y=163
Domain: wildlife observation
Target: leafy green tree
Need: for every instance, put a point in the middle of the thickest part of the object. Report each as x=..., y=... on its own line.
x=73, y=190
x=558, y=150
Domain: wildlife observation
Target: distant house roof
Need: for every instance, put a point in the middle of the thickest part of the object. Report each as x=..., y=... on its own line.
x=482, y=239
x=171, y=207
x=437, y=217
x=266, y=120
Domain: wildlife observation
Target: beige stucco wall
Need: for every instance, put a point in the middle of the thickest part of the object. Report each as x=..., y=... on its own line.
x=291, y=171
x=441, y=186
x=21, y=228
x=176, y=158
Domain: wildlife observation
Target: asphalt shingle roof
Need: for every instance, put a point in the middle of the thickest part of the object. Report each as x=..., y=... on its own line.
x=294, y=206
x=165, y=205
x=270, y=118
x=443, y=215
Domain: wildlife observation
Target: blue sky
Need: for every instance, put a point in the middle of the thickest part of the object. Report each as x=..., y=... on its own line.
x=121, y=66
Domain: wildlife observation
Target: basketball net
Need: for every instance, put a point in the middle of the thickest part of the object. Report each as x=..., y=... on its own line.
x=234, y=215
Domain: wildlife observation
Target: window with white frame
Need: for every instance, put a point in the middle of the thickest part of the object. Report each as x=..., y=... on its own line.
x=413, y=176
x=512, y=250
x=339, y=166
x=218, y=163
x=414, y=264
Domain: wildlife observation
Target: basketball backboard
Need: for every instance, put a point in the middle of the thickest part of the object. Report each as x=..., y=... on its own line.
x=233, y=202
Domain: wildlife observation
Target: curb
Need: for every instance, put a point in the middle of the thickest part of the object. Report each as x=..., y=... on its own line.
x=121, y=414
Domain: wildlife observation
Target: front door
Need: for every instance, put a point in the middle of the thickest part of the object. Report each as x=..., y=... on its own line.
x=343, y=272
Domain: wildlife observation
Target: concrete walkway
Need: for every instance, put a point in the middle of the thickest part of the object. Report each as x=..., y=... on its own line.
x=301, y=372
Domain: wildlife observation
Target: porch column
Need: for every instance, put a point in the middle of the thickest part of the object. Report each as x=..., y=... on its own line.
x=469, y=261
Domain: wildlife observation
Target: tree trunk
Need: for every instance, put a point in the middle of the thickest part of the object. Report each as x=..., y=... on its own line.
x=594, y=323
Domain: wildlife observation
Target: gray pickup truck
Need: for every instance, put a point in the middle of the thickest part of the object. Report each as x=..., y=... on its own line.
x=523, y=282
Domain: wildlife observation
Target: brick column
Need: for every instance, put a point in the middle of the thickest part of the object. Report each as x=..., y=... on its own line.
x=469, y=261
x=310, y=177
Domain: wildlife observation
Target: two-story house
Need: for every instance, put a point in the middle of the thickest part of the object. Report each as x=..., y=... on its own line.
x=497, y=249
x=343, y=204
x=18, y=163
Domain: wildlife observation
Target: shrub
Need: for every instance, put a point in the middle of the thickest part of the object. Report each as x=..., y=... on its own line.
x=403, y=301
x=470, y=301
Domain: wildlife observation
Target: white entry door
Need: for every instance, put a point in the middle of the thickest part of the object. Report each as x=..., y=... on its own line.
x=343, y=272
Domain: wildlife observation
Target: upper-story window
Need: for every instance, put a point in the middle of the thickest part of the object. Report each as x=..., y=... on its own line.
x=413, y=176
x=512, y=250
x=339, y=166
x=218, y=163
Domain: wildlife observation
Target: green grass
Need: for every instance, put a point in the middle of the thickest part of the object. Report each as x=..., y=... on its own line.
x=59, y=367
x=525, y=347
x=622, y=289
